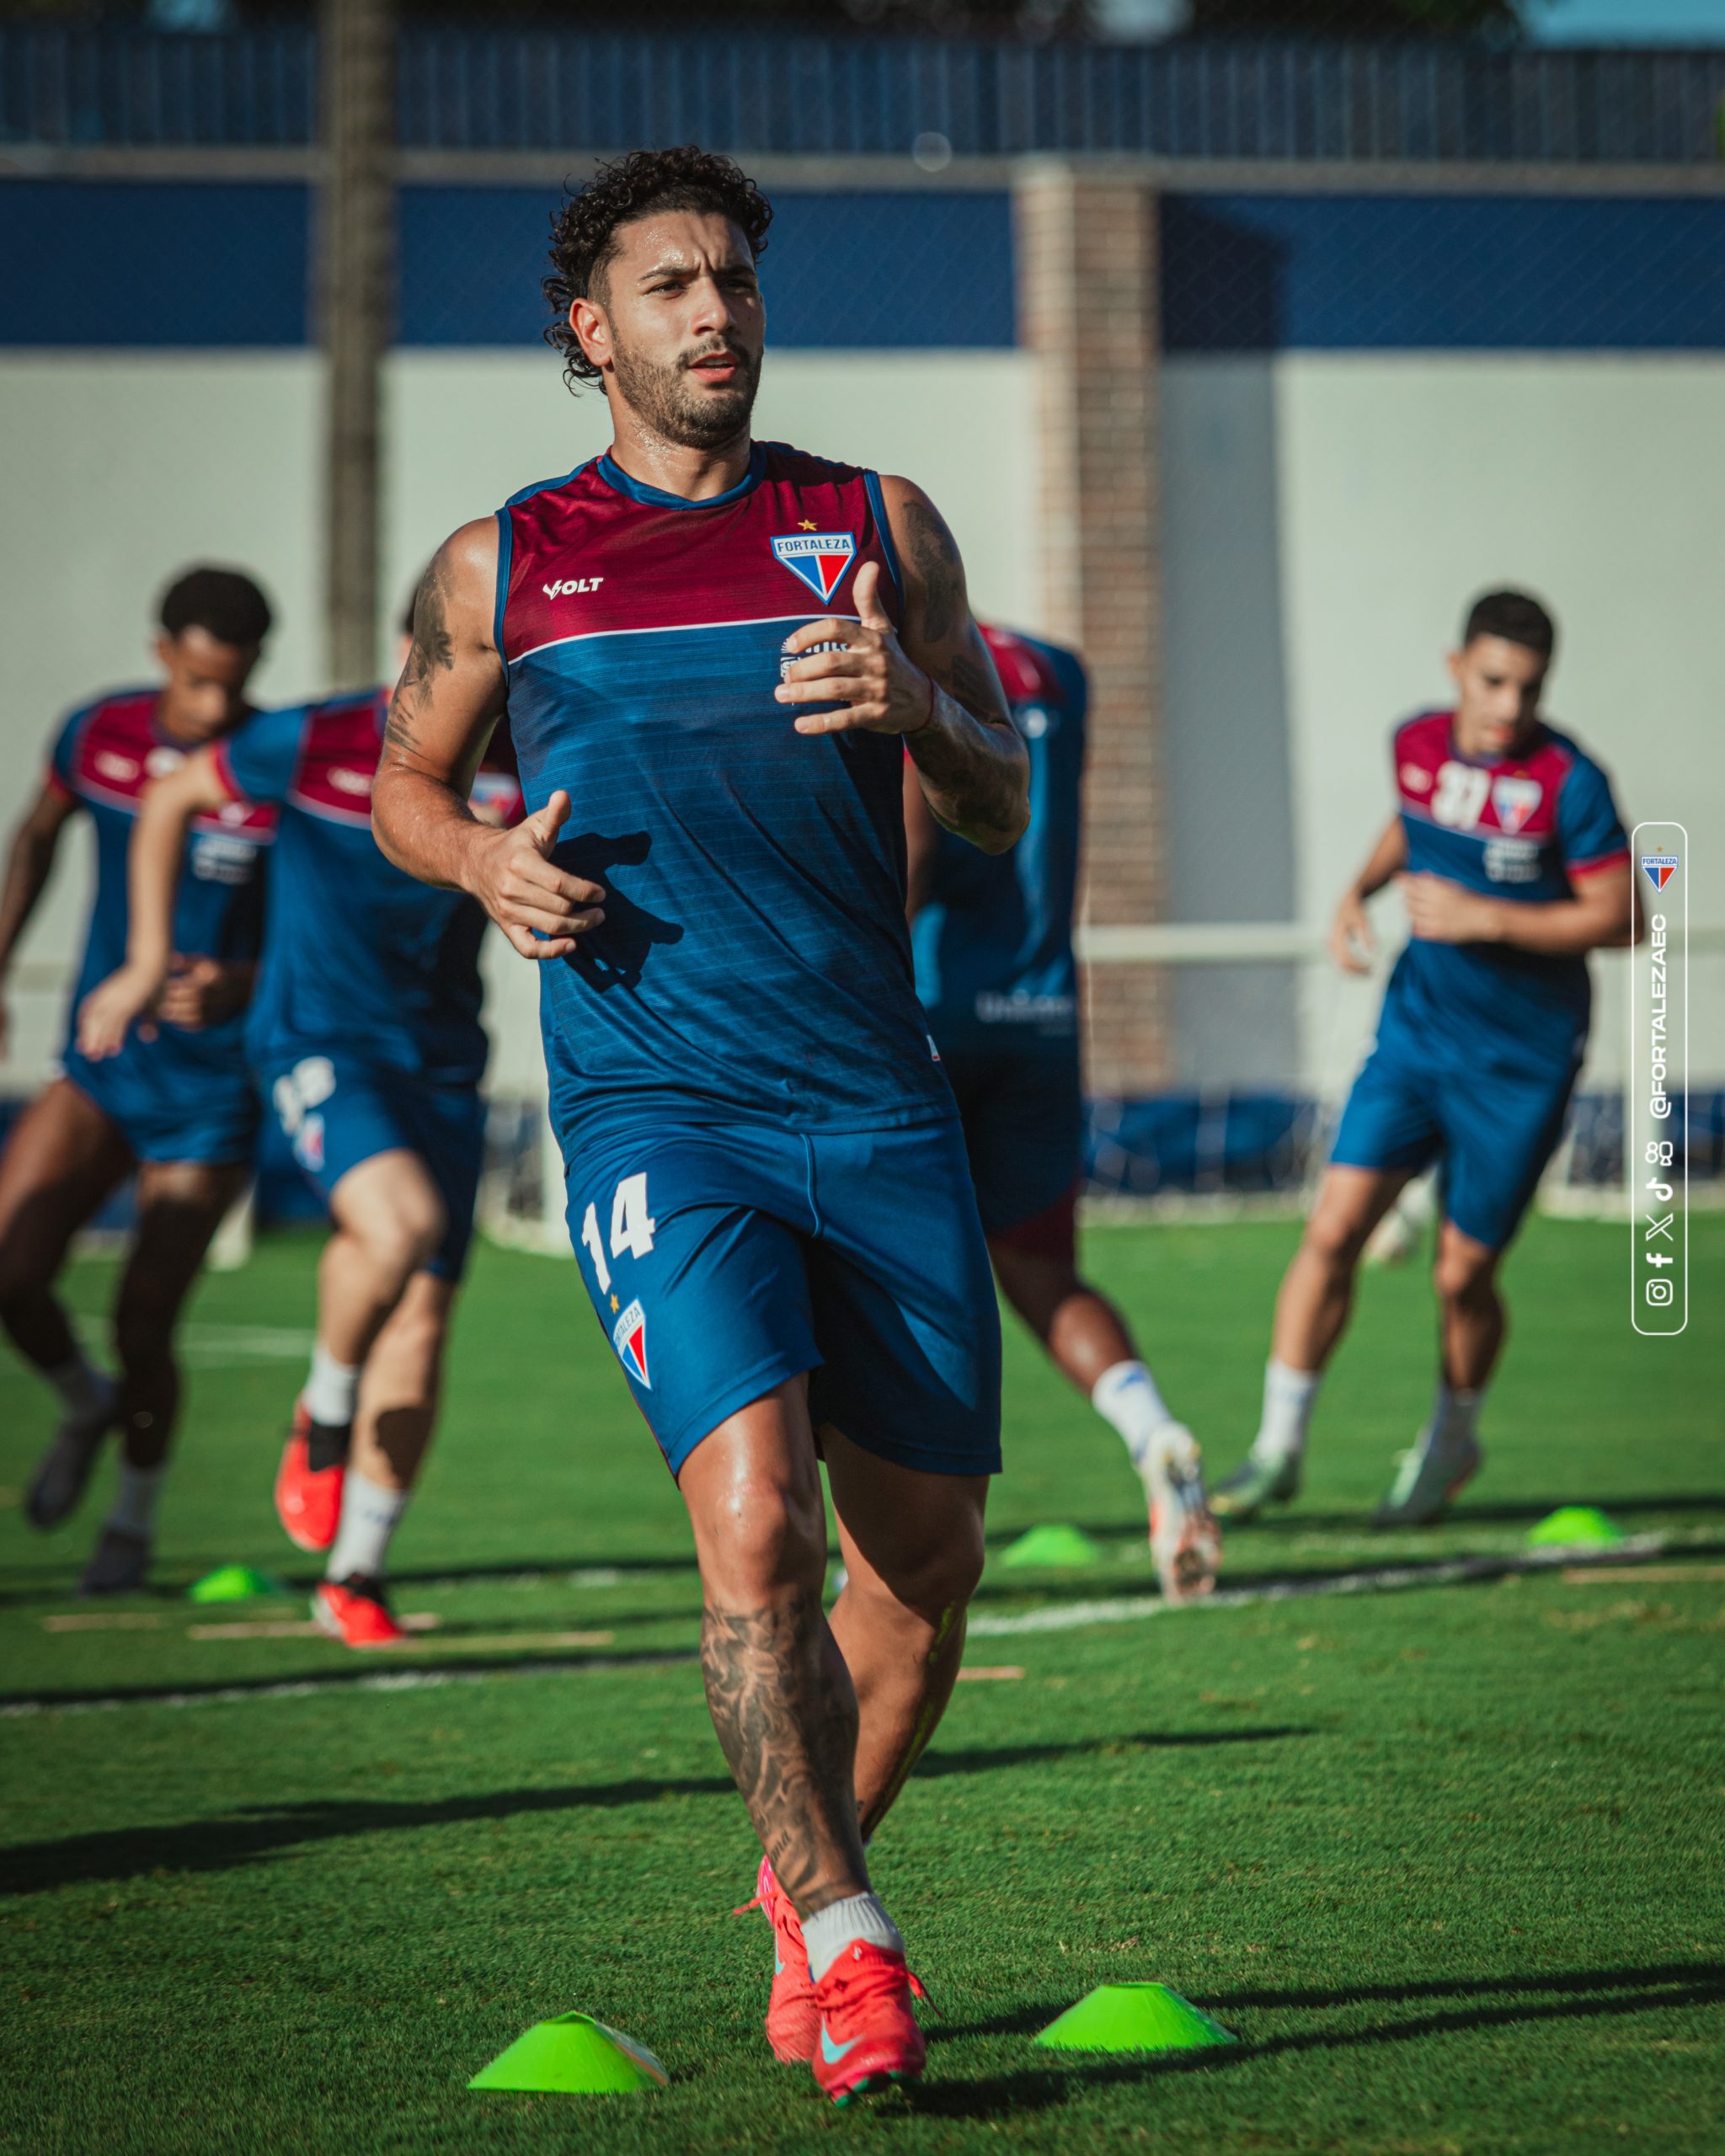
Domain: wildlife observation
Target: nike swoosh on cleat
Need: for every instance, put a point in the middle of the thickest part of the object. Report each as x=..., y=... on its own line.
x=832, y=2052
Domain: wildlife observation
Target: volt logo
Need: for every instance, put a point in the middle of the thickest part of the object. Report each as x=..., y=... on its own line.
x=817, y=558
x=568, y=587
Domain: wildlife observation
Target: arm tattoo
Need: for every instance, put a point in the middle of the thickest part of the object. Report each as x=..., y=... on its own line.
x=433, y=652
x=935, y=553
x=786, y=1717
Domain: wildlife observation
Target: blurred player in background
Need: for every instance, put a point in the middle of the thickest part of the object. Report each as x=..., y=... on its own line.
x=178, y=1106
x=992, y=935
x=366, y=1042
x=767, y=1182
x=1514, y=864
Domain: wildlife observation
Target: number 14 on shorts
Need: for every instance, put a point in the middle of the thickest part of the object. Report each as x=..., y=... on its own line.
x=633, y=1228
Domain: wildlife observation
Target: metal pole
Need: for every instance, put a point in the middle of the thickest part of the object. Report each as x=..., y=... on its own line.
x=356, y=275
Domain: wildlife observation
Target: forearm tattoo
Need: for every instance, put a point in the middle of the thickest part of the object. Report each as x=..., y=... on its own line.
x=787, y=1720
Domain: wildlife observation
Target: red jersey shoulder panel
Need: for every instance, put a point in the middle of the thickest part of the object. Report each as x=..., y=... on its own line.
x=1025, y=674
x=589, y=557
x=120, y=750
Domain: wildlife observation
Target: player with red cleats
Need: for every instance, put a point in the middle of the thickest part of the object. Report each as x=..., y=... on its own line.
x=307, y=1498
x=354, y=1611
x=767, y=1182
x=868, y=2037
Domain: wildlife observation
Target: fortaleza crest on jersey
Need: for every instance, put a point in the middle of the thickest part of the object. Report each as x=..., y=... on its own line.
x=820, y=558
x=1515, y=800
x=1659, y=868
x=628, y=1335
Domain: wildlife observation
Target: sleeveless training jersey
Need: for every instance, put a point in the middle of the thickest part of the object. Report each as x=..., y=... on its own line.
x=105, y=754
x=754, y=965
x=994, y=939
x=1516, y=828
x=361, y=956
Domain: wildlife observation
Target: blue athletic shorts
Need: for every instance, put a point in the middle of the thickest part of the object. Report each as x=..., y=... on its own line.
x=722, y=1261
x=1023, y=1109
x=337, y=1112
x=170, y=1104
x=1492, y=1131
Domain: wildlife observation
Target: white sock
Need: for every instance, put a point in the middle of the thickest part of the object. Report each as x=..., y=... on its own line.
x=1288, y=1398
x=135, y=1508
x=86, y=1391
x=858, y=1917
x=330, y=1389
x=370, y=1515
x=1126, y=1396
x=1455, y=1412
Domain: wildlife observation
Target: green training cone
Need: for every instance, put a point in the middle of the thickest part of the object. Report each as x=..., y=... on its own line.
x=233, y=1583
x=1134, y=2018
x=1574, y=1527
x=1052, y=1546
x=577, y=2056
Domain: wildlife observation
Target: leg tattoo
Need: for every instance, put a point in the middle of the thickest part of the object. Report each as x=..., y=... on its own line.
x=782, y=1703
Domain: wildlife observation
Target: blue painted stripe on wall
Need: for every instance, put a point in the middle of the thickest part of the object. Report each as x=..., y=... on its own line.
x=1424, y=273
x=149, y=262
x=152, y=262
x=884, y=270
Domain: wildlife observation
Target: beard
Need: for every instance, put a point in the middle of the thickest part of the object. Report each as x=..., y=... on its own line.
x=667, y=401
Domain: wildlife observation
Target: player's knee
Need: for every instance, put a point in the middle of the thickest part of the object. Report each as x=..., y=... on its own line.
x=773, y=1537
x=1463, y=1275
x=1336, y=1240
x=403, y=1238
x=938, y=1578
x=143, y=1332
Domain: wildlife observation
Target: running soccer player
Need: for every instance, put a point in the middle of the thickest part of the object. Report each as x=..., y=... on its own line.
x=711, y=650
x=1513, y=866
x=992, y=936
x=177, y=1107
x=365, y=1038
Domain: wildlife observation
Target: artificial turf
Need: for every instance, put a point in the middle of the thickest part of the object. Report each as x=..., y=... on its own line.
x=1447, y=1860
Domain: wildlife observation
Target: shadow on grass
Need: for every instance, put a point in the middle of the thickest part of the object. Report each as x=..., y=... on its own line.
x=1591, y=1993
x=259, y=1832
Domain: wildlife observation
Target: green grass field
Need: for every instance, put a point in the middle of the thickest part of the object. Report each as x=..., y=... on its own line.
x=1446, y=1860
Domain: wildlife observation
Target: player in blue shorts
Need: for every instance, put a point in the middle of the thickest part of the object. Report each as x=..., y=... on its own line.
x=993, y=941
x=1513, y=866
x=365, y=1038
x=713, y=652
x=177, y=1109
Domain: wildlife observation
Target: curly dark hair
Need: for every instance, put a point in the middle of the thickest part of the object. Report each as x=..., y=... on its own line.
x=584, y=231
x=225, y=603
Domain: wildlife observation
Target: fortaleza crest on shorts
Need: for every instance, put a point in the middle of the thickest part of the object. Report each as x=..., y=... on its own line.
x=628, y=1335
x=1515, y=800
x=819, y=558
x=1659, y=868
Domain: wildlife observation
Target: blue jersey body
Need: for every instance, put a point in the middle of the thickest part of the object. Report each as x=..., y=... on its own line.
x=360, y=958
x=183, y=1093
x=1521, y=828
x=993, y=939
x=104, y=756
x=753, y=966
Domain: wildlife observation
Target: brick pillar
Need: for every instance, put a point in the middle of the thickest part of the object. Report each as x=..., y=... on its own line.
x=1088, y=304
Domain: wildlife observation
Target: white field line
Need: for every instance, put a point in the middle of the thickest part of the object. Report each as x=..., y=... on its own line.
x=1385, y=1579
x=1060, y=1617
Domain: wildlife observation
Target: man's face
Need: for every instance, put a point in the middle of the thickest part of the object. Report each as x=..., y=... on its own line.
x=1499, y=685
x=677, y=313
x=205, y=690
